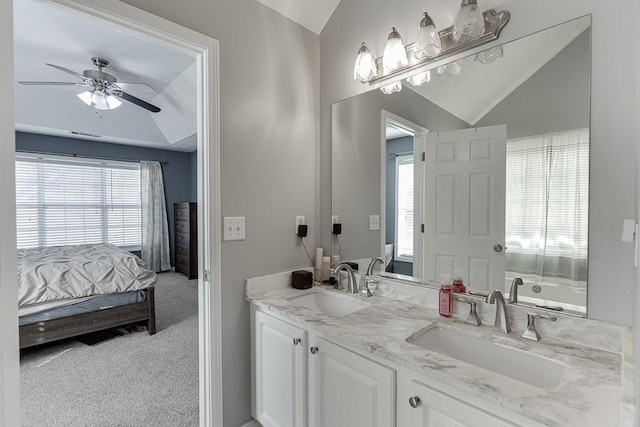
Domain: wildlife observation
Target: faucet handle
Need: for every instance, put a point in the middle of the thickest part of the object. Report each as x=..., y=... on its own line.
x=531, y=333
x=472, y=317
x=365, y=292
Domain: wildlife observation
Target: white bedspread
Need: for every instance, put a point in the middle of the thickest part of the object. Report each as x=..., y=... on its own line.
x=59, y=272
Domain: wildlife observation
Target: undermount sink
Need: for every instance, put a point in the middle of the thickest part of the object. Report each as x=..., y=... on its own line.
x=511, y=362
x=331, y=304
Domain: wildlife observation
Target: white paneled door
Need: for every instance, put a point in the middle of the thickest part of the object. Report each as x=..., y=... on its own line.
x=464, y=205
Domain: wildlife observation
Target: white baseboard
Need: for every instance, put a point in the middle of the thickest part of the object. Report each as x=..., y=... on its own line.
x=252, y=423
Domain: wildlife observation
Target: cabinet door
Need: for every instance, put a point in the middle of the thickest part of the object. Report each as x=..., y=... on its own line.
x=432, y=408
x=280, y=377
x=348, y=390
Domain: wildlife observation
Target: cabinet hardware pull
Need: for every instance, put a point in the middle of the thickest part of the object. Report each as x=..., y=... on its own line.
x=313, y=350
x=296, y=341
x=414, y=401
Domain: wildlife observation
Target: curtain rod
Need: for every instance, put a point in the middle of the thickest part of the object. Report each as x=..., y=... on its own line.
x=84, y=156
x=405, y=153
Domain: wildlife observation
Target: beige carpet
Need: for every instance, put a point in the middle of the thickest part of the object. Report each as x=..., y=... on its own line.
x=131, y=380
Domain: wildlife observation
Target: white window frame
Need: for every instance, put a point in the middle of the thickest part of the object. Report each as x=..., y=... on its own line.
x=402, y=160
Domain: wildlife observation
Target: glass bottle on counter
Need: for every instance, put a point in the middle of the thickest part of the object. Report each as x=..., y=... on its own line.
x=445, y=297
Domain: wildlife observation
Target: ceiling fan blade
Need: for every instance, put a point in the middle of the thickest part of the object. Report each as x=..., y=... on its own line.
x=139, y=102
x=138, y=87
x=66, y=70
x=52, y=83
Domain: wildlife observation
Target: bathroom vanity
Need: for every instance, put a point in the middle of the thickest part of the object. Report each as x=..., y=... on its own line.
x=322, y=357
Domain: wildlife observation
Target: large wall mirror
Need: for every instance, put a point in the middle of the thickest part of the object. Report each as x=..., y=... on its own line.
x=501, y=191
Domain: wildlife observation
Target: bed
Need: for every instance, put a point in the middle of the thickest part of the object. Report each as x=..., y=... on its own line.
x=67, y=291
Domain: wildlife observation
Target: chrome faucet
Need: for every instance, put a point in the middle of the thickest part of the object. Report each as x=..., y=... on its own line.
x=372, y=265
x=501, y=324
x=353, y=284
x=513, y=293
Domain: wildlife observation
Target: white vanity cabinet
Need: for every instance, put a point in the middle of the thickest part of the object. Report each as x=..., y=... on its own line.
x=423, y=402
x=280, y=372
x=348, y=390
x=343, y=388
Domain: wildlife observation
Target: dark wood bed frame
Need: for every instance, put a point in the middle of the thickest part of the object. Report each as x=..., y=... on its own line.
x=80, y=324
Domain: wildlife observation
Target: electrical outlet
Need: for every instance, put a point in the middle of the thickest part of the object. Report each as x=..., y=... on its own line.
x=374, y=222
x=299, y=221
x=234, y=228
x=335, y=219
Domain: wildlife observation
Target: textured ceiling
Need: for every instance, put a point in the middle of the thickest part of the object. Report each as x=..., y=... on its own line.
x=46, y=34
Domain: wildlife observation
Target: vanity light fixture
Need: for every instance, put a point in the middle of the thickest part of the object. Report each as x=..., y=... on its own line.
x=99, y=100
x=452, y=69
x=428, y=41
x=430, y=49
x=365, y=68
x=469, y=24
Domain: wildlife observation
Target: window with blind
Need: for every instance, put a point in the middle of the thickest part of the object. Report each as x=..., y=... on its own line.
x=547, y=201
x=404, y=208
x=68, y=201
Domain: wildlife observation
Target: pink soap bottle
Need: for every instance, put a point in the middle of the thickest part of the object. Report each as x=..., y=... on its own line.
x=445, y=298
x=458, y=286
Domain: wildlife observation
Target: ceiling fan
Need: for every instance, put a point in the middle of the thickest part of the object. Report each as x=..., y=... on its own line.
x=104, y=91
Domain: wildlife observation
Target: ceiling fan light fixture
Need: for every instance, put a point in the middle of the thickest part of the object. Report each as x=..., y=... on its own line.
x=99, y=100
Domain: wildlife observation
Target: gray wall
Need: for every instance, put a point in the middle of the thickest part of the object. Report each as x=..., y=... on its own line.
x=614, y=114
x=193, y=179
x=176, y=169
x=269, y=79
x=555, y=98
x=356, y=160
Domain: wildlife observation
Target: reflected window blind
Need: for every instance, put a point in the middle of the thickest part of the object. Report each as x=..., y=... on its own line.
x=64, y=200
x=547, y=194
x=404, y=208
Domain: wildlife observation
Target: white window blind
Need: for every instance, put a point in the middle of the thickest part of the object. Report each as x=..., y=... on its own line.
x=404, y=208
x=547, y=195
x=64, y=200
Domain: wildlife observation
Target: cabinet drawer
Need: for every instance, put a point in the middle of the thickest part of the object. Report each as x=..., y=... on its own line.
x=182, y=212
x=182, y=238
x=182, y=262
x=183, y=250
x=182, y=226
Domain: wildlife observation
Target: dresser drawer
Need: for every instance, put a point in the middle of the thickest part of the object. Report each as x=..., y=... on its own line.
x=182, y=212
x=184, y=250
x=182, y=226
x=182, y=263
x=182, y=239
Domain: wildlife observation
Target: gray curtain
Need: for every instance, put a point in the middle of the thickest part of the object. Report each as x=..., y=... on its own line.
x=155, y=228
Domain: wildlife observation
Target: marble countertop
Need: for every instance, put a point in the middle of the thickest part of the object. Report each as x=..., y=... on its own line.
x=590, y=392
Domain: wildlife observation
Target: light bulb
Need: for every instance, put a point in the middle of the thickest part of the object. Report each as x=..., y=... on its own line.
x=99, y=100
x=428, y=41
x=391, y=88
x=395, y=54
x=420, y=78
x=469, y=24
x=365, y=68
x=490, y=55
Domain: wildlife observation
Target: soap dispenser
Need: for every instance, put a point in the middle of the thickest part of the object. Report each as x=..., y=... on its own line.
x=445, y=306
x=458, y=286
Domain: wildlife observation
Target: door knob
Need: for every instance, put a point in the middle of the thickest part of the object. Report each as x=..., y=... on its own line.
x=414, y=401
x=497, y=247
x=313, y=350
x=296, y=341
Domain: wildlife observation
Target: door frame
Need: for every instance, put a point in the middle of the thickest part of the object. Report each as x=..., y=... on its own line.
x=205, y=50
x=418, y=132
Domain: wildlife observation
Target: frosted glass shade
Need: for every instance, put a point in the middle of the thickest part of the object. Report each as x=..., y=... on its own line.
x=428, y=41
x=99, y=100
x=365, y=67
x=395, y=54
x=469, y=24
x=391, y=87
x=451, y=69
x=490, y=55
x=420, y=78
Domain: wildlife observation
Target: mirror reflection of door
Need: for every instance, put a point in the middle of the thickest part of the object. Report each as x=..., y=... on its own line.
x=464, y=205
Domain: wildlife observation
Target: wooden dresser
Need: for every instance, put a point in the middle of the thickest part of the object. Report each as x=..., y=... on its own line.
x=186, y=238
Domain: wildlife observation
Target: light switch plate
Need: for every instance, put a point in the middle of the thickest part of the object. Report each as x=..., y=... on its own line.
x=374, y=222
x=233, y=228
